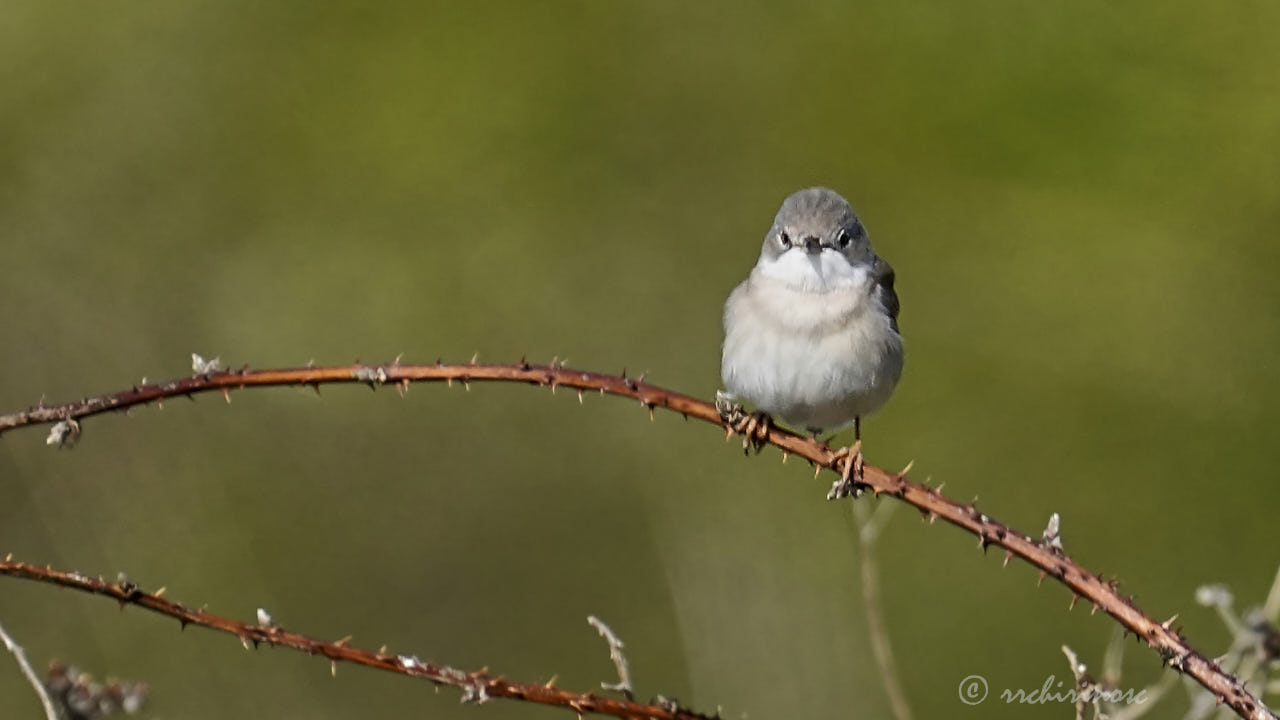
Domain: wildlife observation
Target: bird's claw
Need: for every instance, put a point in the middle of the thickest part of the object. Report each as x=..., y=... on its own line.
x=849, y=484
x=730, y=410
x=754, y=427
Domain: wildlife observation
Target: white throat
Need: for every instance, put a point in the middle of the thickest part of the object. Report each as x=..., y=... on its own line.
x=824, y=272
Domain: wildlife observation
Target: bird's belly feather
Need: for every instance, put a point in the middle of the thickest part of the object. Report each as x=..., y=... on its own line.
x=815, y=361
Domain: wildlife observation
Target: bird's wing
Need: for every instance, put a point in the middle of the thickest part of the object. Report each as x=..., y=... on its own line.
x=884, y=290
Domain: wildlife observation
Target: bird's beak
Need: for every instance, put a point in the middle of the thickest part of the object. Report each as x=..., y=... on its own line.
x=812, y=245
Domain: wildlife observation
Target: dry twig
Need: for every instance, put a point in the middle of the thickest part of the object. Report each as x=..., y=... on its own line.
x=30, y=674
x=615, y=654
x=869, y=526
x=79, y=697
x=477, y=686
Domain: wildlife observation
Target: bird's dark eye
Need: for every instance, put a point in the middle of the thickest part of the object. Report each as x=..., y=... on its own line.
x=843, y=239
x=784, y=239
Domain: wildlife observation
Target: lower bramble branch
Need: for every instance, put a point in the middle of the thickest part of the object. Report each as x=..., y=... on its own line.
x=1046, y=555
x=477, y=686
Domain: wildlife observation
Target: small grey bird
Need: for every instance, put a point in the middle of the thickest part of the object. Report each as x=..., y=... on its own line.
x=811, y=336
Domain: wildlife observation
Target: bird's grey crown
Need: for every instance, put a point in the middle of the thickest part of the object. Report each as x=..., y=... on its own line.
x=820, y=213
x=816, y=203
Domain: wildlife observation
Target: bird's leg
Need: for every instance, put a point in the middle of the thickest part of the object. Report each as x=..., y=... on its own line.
x=753, y=426
x=850, y=475
x=853, y=466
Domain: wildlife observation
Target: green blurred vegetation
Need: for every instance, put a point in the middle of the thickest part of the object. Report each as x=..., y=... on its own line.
x=1081, y=199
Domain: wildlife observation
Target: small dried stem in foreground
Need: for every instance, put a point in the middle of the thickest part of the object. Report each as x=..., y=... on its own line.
x=615, y=654
x=18, y=654
x=869, y=526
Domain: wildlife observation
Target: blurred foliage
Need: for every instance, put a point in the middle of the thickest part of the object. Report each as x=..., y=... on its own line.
x=1081, y=200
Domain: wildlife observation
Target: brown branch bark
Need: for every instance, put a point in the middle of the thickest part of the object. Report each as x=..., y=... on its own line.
x=1167, y=641
x=477, y=686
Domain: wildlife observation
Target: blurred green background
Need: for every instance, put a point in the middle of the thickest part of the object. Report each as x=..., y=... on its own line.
x=1081, y=198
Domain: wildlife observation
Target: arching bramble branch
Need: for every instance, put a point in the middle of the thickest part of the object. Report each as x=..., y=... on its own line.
x=477, y=686
x=1167, y=641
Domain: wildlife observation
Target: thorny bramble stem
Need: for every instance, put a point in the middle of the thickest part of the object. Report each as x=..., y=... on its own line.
x=476, y=686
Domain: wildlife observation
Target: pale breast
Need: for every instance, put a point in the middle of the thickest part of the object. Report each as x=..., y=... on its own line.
x=815, y=360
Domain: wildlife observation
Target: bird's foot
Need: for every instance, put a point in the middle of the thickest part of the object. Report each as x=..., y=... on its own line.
x=754, y=427
x=850, y=474
x=755, y=430
x=730, y=410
